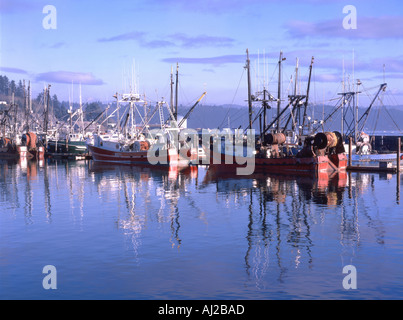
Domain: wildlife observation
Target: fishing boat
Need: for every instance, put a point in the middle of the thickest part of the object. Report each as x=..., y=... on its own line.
x=31, y=148
x=14, y=146
x=35, y=147
x=352, y=125
x=8, y=149
x=137, y=145
x=362, y=151
x=323, y=152
x=74, y=143
x=281, y=149
x=141, y=150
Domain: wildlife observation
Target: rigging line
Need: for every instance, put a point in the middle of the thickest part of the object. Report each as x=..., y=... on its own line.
x=392, y=97
x=241, y=114
x=237, y=118
x=366, y=91
x=376, y=121
x=272, y=75
x=183, y=93
x=397, y=127
x=233, y=99
x=314, y=91
x=389, y=98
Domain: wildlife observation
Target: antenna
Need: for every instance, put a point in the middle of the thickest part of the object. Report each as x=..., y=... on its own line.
x=264, y=68
x=353, y=71
x=258, y=67
x=132, y=89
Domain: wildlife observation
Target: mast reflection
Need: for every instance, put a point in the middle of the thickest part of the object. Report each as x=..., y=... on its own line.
x=283, y=210
x=133, y=186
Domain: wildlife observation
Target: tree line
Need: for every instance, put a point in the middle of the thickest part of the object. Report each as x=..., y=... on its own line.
x=59, y=109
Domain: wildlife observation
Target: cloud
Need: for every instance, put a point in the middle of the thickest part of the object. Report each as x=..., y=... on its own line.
x=69, y=77
x=174, y=40
x=218, y=7
x=385, y=27
x=390, y=76
x=135, y=35
x=140, y=38
x=16, y=6
x=215, y=61
x=201, y=40
x=13, y=70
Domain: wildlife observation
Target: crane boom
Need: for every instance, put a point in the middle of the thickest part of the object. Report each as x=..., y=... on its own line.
x=191, y=110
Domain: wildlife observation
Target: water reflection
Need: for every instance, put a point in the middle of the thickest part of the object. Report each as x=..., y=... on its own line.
x=135, y=188
x=11, y=171
x=284, y=209
x=284, y=223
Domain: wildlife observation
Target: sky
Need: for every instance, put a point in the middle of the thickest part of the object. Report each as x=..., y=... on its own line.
x=101, y=44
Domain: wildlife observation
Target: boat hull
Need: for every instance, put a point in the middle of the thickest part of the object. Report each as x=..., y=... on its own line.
x=6, y=153
x=272, y=165
x=77, y=147
x=137, y=157
x=22, y=152
x=338, y=162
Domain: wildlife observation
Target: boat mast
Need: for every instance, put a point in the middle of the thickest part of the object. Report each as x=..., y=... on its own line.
x=81, y=114
x=296, y=77
x=15, y=114
x=281, y=59
x=47, y=92
x=342, y=103
x=249, y=88
x=307, y=96
x=132, y=91
x=26, y=108
x=298, y=113
x=29, y=98
x=171, y=102
x=355, y=105
x=117, y=112
x=176, y=93
x=356, y=108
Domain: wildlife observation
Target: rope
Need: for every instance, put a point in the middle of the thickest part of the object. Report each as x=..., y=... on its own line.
x=233, y=99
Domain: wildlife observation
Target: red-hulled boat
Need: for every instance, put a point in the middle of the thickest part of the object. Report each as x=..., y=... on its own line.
x=323, y=152
x=140, y=146
x=30, y=148
x=145, y=152
x=35, y=148
x=279, y=149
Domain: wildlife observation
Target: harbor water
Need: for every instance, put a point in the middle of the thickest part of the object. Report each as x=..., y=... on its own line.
x=121, y=232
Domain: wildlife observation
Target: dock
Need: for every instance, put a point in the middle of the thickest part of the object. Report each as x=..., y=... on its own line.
x=381, y=168
x=384, y=166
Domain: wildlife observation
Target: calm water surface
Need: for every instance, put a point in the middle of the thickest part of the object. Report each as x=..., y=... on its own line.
x=116, y=232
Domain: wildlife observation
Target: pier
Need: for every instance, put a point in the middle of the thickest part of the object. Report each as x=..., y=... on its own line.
x=384, y=166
